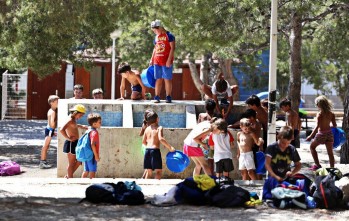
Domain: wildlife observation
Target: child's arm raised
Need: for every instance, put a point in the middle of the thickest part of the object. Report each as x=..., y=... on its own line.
x=163, y=140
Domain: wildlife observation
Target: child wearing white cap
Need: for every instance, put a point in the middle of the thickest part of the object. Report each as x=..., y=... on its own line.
x=162, y=59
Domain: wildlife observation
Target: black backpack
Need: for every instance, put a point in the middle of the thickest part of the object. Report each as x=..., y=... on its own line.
x=228, y=196
x=326, y=194
x=101, y=193
x=131, y=197
x=114, y=194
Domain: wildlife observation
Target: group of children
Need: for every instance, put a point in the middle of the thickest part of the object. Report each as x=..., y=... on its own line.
x=211, y=133
x=279, y=154
x=70, y=132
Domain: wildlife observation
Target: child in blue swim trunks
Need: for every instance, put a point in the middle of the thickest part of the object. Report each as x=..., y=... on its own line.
x=137, y=86
x=49, y=130
x=153, y=136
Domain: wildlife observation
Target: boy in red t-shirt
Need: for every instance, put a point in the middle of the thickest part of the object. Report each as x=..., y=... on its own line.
x=162, y=59
x=90, y=167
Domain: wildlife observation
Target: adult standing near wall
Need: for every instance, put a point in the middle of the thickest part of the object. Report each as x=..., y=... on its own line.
x=162, y=59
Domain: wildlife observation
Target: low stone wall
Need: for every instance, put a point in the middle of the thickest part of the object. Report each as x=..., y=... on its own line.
x=120, y=144
x=121, y=154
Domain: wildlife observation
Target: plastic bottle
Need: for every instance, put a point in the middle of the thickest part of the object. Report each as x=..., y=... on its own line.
x=311, y=204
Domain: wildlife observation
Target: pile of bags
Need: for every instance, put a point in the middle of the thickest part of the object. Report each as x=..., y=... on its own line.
x=206, y=190
x=299, y=191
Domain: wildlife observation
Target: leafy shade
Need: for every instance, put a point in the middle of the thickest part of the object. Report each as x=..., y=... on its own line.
x=41, y=34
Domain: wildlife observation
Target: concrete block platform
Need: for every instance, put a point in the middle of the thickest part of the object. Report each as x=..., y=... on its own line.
x=120, y=143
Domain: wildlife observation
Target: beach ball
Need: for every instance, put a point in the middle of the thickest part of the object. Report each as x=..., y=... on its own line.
x=147, y=77
x=177, y=161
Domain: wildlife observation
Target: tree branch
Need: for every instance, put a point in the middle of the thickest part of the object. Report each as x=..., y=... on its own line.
x=331, y=9
x=252, y=50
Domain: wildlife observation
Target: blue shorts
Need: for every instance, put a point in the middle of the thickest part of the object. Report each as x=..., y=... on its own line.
x=163, y=72
x=137, y=88
x=152, y=159
x=49, y=132
x=90, y=166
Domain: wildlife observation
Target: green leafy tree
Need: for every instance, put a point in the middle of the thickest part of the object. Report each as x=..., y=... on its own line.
x=312, y=34
x=42, y=34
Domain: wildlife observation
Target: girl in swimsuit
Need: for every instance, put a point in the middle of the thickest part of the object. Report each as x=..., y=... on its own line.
x=322, y=132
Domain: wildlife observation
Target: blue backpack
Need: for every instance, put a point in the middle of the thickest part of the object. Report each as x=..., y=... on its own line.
x=83, y=149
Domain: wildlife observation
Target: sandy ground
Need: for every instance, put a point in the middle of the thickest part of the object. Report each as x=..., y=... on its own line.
x=38, y=195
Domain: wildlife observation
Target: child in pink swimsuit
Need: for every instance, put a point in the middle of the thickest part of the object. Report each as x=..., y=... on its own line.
x=322, y=132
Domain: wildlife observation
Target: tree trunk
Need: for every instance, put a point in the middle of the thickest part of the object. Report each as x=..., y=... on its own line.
x=344, y=157
x=214, y=70
x=204, y=71
x=194, y=75
x=204, y=66
x=294, y=87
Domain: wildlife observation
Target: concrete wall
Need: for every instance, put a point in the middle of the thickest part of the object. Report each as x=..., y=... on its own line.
x=120, y=146
x=121, y=154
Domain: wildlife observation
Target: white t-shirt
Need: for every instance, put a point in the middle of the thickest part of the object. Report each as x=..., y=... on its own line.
x=198, y=129
x=221, y=144
x=228, y=91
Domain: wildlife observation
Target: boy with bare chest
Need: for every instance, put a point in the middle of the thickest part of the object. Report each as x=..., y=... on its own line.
x=152, y=138
x=137, y=86
x=292, y=119
x=71, y=134
x=246, y=139
x=49, y=130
